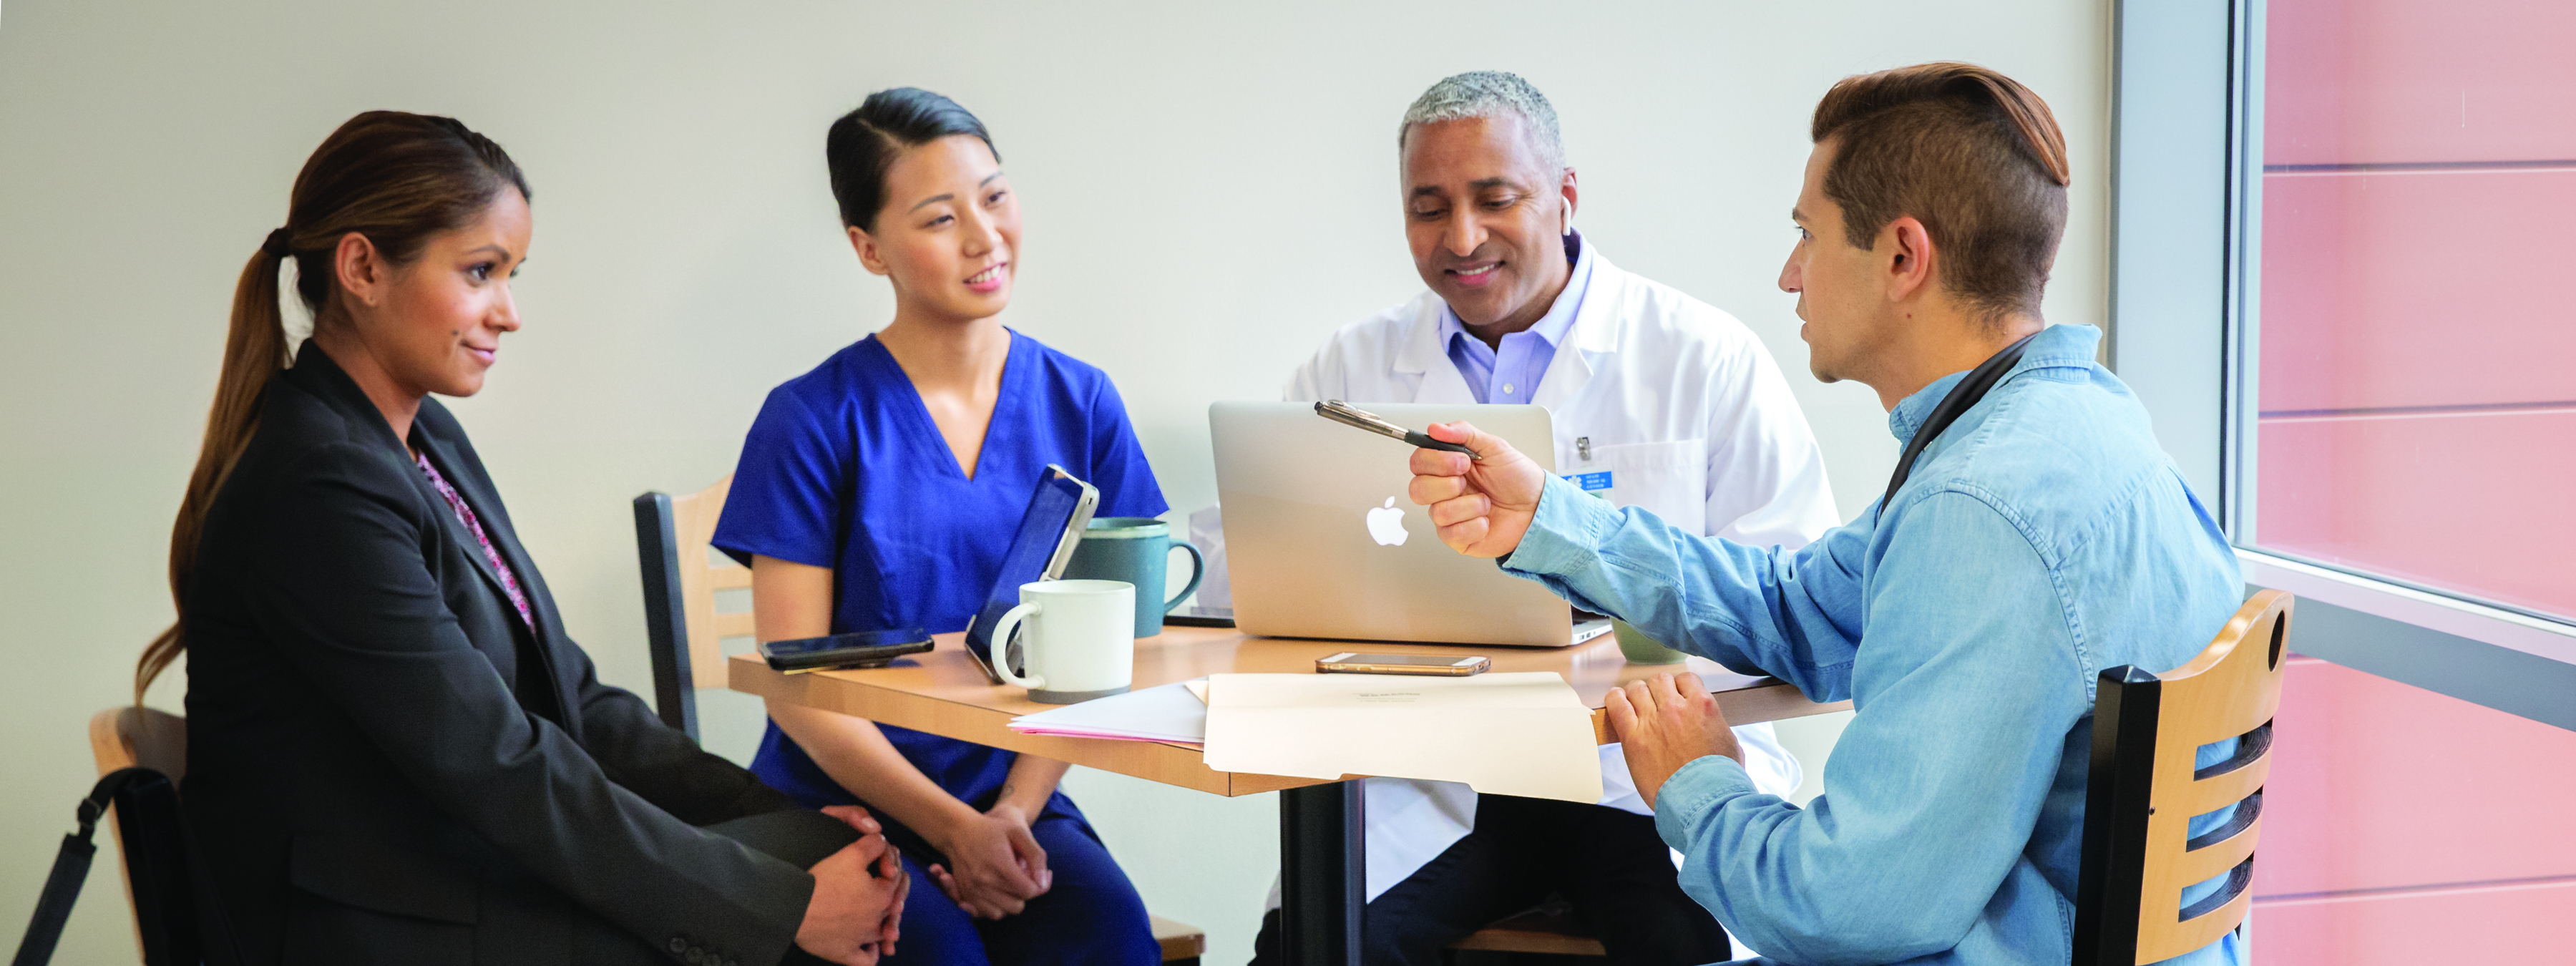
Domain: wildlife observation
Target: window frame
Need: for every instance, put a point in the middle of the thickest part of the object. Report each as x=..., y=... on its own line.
x=2185, y=293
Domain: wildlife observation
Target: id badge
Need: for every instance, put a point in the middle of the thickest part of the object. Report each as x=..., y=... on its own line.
x=1593, y=481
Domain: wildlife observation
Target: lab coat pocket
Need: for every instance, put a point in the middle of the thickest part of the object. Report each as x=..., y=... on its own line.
x=1669, y=479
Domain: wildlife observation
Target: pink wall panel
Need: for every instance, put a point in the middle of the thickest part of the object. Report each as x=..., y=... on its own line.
x=2380, y=785
x=2403, y=826
x=2417, y=288
x=2379, y=81
x=2476, y=502
x=2494, y=926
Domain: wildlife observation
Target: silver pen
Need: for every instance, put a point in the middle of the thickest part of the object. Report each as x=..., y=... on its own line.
x=1348, y=415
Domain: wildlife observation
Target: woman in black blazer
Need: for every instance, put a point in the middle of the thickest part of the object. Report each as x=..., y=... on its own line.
x=396, y=754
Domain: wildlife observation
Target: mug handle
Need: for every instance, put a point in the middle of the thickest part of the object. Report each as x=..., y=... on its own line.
x=1198, y=569
x=1002, y=631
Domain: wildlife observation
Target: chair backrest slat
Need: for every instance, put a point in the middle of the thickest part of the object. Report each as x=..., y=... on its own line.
x=681, y=580
x=694, y=516
x=724, y=574
x=2219, y=791
x=130, y=736
x=2147, y=786
x=736, y=624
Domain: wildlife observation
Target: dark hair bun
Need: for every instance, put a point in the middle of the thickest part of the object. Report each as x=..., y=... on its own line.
x=864, y=142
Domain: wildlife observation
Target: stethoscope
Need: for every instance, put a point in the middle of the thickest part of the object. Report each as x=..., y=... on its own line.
x=1962, y=398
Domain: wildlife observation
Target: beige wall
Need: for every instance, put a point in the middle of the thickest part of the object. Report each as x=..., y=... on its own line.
x=1208, y=191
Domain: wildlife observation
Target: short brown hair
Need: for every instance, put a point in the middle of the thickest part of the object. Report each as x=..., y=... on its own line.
x=1972, y=154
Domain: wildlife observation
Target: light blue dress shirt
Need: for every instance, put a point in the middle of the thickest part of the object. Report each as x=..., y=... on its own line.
x=1511, y=373
x=2042, y=538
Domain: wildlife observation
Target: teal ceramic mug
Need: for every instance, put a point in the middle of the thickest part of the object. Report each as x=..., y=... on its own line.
x=1137, y=550
x=1641, y=649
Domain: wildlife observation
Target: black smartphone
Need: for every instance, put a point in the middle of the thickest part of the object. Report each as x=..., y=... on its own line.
x=859, y=649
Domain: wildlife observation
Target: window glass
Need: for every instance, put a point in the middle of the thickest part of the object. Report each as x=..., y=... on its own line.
x=2416, y=393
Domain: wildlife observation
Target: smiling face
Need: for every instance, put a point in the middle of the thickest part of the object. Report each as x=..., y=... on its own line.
x=949, y=235
x=1486, y=219
x=1841, y=293
x=434, y=324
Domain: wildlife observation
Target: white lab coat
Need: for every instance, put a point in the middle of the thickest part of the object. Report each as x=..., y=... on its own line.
x=1677, y=401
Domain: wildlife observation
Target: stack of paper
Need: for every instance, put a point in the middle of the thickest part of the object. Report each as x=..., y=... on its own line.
x=1506, y=734
x=1170, y=713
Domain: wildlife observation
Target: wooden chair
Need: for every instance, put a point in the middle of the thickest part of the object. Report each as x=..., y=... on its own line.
x=2145, y=788
x=686, y=630
x=175, y=920
x=1182, y=943
x=1545, y=930
x=127, y=736
x=682, y=575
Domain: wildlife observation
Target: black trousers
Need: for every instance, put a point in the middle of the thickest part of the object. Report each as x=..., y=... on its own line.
x=799, y=837
x=1608, y=864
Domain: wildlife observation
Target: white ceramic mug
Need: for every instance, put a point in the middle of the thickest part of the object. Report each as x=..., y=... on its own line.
x=1081, y=640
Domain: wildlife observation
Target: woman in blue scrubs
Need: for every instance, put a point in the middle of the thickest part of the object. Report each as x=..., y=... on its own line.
x=881, y=489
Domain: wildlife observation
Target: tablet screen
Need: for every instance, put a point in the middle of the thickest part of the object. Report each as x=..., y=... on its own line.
x=1047, y=534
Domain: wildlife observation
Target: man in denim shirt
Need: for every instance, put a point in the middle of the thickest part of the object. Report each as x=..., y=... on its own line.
x=2040, y=538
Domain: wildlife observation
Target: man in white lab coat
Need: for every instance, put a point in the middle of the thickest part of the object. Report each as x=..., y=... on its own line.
x=1658, y=400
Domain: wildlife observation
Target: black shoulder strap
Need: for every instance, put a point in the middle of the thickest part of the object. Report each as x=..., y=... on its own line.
x=1962, y=398
x=71, y=867
x=179, y=920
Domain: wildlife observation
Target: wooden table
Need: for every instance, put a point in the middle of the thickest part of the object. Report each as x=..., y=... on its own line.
x=1322, y=870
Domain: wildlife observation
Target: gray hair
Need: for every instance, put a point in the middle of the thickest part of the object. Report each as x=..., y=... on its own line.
x=1489, y=93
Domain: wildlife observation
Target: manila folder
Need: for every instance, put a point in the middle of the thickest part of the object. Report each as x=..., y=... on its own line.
x=1522, y=733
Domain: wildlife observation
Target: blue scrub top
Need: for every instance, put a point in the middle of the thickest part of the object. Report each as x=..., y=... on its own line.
x=844, y=469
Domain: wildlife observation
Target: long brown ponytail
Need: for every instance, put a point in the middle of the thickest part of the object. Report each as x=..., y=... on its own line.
x=396, y=178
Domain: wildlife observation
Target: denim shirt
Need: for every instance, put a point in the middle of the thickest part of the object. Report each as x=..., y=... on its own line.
x=2042, y=538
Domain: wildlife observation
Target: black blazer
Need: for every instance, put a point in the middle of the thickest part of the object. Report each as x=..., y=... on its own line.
x=385, y=765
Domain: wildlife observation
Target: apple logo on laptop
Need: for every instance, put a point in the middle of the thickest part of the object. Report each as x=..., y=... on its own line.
x=1386, y=525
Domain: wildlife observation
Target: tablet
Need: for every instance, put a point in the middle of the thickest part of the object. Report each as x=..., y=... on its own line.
x=1048, y=533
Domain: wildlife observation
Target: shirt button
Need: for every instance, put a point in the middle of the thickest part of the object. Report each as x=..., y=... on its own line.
x=696, y=956
x=1508, y=390
x=679, y=945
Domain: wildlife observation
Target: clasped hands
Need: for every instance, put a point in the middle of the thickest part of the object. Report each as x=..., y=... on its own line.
x=859, y=891
x=995, y=865
x=857, y=906
x=1483, y=507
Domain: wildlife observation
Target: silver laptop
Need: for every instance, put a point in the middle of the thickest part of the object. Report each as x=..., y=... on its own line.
x=1320, y=540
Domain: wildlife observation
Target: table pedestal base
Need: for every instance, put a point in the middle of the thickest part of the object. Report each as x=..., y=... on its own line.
x=1323, y=873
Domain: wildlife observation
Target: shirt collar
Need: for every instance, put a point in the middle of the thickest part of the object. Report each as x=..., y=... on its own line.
x=2056, y=345
x=1560, y=316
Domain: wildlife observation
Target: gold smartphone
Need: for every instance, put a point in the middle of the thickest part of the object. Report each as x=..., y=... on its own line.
x=1440, y=665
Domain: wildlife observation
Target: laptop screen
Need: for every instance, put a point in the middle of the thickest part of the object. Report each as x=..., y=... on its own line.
x=1322, y=541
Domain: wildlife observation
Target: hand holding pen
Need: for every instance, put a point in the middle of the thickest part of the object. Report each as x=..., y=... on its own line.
x=1483, y=503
